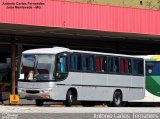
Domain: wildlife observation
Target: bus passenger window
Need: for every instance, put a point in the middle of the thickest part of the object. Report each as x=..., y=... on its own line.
x=137, y=67
x=122, y=66
x=140, y=67
x=104, y=64
x=113, y=64
x=84, y=63
x=62, y=67
x=75, y=62
x=130, y=66
x=91, y=61
x=87, y=63
x=100, y=64
x=63, y=64
x=125, y=65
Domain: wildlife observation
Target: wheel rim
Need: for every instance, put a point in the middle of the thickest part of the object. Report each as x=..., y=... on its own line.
x=117, y=99
x=71, y=98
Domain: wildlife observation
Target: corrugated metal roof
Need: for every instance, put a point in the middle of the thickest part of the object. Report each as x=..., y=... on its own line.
x=58, y=13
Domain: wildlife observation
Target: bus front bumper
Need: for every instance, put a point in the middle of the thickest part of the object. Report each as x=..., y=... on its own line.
x=35, y=93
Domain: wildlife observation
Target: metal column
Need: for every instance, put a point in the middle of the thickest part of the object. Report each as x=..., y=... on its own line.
x=13, y=68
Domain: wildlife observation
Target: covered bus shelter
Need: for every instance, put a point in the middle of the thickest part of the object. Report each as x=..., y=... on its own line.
x=47, y=23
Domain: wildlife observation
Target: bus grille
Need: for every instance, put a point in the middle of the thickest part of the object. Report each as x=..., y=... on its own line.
x=32, y=91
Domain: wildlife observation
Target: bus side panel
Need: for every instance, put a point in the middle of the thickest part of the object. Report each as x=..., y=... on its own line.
x=119, y=80
x=131, y=94
x=72, y=81
x=148, y=98
x=74, y=78
x=96, y=93
x=94, y=79
x=60, y=92
x=94, y=86
x=138, y=81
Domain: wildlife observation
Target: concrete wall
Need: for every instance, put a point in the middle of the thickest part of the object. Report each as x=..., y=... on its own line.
x=145, y=4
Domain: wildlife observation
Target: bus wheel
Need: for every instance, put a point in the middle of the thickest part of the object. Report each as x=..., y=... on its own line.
x=87, y=103
x=117, y=99
x=71, y=97
x=39, y=102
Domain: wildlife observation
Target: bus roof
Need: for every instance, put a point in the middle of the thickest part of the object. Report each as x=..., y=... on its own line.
x=151, y=57
x=56, y=50
x=53, y=50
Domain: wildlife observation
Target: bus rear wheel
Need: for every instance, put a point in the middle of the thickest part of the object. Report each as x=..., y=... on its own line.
x=71, y=98
x=39, y=102
x=117, y=99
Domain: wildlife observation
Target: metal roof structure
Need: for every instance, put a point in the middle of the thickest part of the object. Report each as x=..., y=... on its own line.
x=58, y=17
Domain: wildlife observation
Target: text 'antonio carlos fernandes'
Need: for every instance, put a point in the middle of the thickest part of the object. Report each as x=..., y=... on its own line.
x=23, y=3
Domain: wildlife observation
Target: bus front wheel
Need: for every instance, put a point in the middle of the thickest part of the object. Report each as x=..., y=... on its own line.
x=39, y=102
x=70, y=98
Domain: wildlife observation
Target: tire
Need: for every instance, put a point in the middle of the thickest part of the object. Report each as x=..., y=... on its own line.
x=88, y=103
x=71, y=98
x=39, y=102
x=117, y=99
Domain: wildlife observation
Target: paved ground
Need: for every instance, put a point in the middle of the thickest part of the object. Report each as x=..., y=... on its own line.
x=28, y=110
x=78, y=112
x=27, y=102
x=77, y=109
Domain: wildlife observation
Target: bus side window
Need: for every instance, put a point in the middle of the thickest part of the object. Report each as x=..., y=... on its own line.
x=122, y=65
x=104, y=64
x=116, y=64
x=75, y=62
x=100, y=64
x=84, y=63
x=88, y=63
x=134, y=66
x=125, y=65
x=62, y=67
x=113, y=64
x=63, y=64
x=110, y=64
x=130, y=66
x=91, y=63
x=137, y=67
x=140, y=67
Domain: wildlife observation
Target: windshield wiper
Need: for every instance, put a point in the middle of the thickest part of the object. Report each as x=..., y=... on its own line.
x=37, y=74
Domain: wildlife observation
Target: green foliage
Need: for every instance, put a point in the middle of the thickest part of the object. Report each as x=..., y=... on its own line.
x=144, y=4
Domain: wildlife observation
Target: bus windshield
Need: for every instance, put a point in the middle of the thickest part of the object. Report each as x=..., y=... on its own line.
x=37, y=67
x=152, y=68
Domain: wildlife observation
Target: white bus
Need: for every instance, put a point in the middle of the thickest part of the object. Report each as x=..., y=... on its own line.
x=62, y=74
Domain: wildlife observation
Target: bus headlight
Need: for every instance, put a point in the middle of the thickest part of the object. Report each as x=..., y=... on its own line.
x=50, y=90
x=21, y=90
